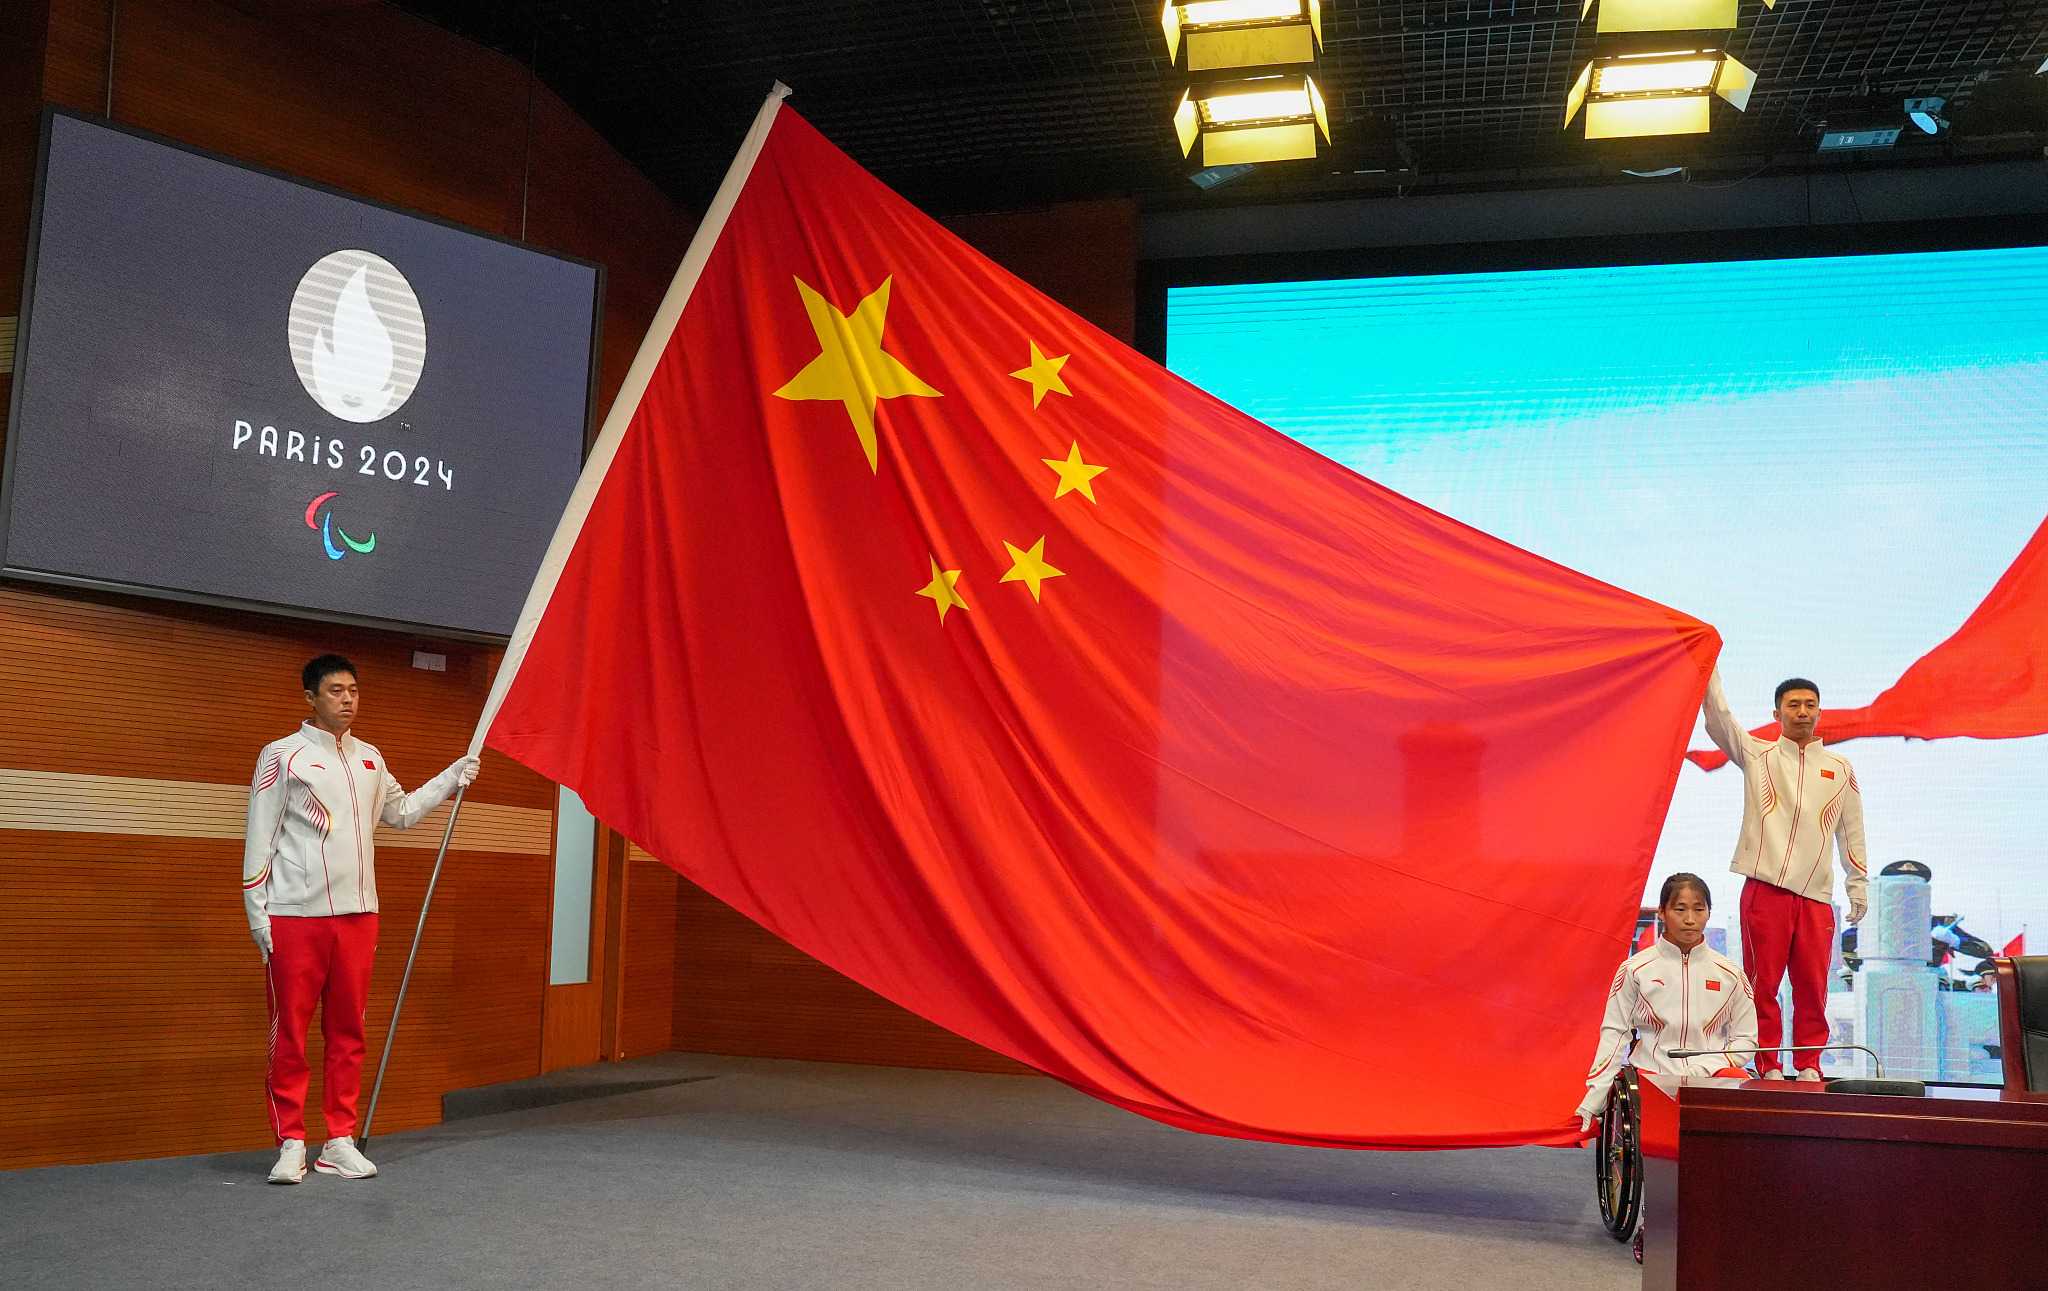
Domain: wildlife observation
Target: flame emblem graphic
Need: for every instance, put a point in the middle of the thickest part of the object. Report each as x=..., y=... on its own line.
x=352, y=359
x=357, y=336
x=327, y=530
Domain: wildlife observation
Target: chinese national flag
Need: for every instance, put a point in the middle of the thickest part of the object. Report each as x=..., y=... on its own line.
x=2017, y=946
x=983, y=659
x=1989, y=681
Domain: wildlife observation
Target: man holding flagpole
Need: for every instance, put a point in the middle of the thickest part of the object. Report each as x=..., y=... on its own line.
x=310, y=889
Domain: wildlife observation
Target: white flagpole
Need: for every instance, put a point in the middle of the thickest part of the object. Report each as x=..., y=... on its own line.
x=570, y=526
x=625, y=406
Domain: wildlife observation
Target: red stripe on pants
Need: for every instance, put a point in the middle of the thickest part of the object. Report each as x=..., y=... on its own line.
x=324, y=961
x=1782, y=930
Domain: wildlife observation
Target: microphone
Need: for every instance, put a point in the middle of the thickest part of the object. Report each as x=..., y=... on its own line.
x=1709, y=1053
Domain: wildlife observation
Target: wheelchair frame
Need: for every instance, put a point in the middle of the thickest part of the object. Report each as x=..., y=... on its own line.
x=1618, y=1158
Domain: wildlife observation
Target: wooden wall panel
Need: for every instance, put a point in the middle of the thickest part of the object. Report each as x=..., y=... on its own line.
x=130, y=988
x=648, y=952
x=83, y=675
x=21, y=56
x=131, y=998
x=341, y=98
x=583, y=196
x=742, y=990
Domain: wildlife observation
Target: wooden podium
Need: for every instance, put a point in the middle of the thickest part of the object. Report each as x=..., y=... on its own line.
x=1759, y=1185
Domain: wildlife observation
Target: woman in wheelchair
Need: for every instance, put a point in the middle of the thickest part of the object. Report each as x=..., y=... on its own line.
x=1678, y=994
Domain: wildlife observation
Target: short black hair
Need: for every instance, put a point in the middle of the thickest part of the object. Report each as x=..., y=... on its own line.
x=1678, y=883
x=318, y=670
x=1792, y=683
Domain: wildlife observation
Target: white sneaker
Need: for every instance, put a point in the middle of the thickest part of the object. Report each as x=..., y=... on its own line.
x=339, y=1156
x=1809, y=1073
x=1774, y=1074
x=291, y=1162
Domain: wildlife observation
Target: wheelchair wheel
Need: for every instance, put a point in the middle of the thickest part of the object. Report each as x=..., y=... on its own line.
x=1618, y=1160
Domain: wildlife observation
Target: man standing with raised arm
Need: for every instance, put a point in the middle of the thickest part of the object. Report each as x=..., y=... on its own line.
x=1797, y=796
x=311, y=892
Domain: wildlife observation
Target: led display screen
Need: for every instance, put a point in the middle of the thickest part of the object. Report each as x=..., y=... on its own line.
x=1832, y=460
x=237, y=387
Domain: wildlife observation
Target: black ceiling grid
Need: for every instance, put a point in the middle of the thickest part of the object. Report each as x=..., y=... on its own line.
x=966, y=105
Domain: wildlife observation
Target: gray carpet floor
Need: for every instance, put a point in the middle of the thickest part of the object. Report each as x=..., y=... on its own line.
x=787, y=1175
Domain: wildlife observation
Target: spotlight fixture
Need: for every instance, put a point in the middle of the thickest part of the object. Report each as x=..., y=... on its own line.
x=1264, y=118
x=1926, y=114
x=1243, y=33
x=1665, y=15
x=1664, y=91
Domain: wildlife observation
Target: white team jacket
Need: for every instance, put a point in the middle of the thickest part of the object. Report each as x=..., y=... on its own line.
x=313, y=809
x=1794, y=800
x=1673, y=999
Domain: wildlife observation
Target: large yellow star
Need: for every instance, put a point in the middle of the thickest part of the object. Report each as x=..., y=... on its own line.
x=1044, y=374
x=942, y=590
x=1031, y=567
x=852, y=367
x=1075, y=474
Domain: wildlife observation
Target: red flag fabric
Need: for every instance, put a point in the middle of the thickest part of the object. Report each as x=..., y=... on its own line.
x=983, y=659
x=1989, y=681
x=2017, y=946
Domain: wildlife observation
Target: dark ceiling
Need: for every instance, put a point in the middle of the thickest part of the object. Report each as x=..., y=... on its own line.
x=969, y=105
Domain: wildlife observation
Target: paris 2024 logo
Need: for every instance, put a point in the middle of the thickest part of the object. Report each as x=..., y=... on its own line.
x=358, y=342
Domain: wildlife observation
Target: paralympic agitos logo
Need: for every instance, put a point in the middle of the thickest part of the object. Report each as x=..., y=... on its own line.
x=329, y=531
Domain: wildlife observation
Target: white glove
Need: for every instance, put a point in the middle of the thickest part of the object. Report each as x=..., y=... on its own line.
x=262, y=936
x=1857, y=906
x=1585, y=1122
x=465, y=770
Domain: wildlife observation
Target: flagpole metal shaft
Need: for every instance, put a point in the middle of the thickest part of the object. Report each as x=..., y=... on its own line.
x=398, y=1005
x=595, y=466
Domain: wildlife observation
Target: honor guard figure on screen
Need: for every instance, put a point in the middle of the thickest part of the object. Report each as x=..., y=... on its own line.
x=311, y=893
x=1798, y=798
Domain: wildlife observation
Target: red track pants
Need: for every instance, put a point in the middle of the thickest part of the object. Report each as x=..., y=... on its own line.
x=1782, y=929
x=323, y=961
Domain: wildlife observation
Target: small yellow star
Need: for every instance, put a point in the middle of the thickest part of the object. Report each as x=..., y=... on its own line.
x=1044, y=374
x=941, y=589
x=1031, y=567
x=1075, y=474
x=852, y=367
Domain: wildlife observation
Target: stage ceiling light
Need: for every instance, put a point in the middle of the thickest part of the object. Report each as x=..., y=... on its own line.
x=1661, y=92
x=1926, y=114
x=1665, y=15
x=1243, y=33
x=1266, y=118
